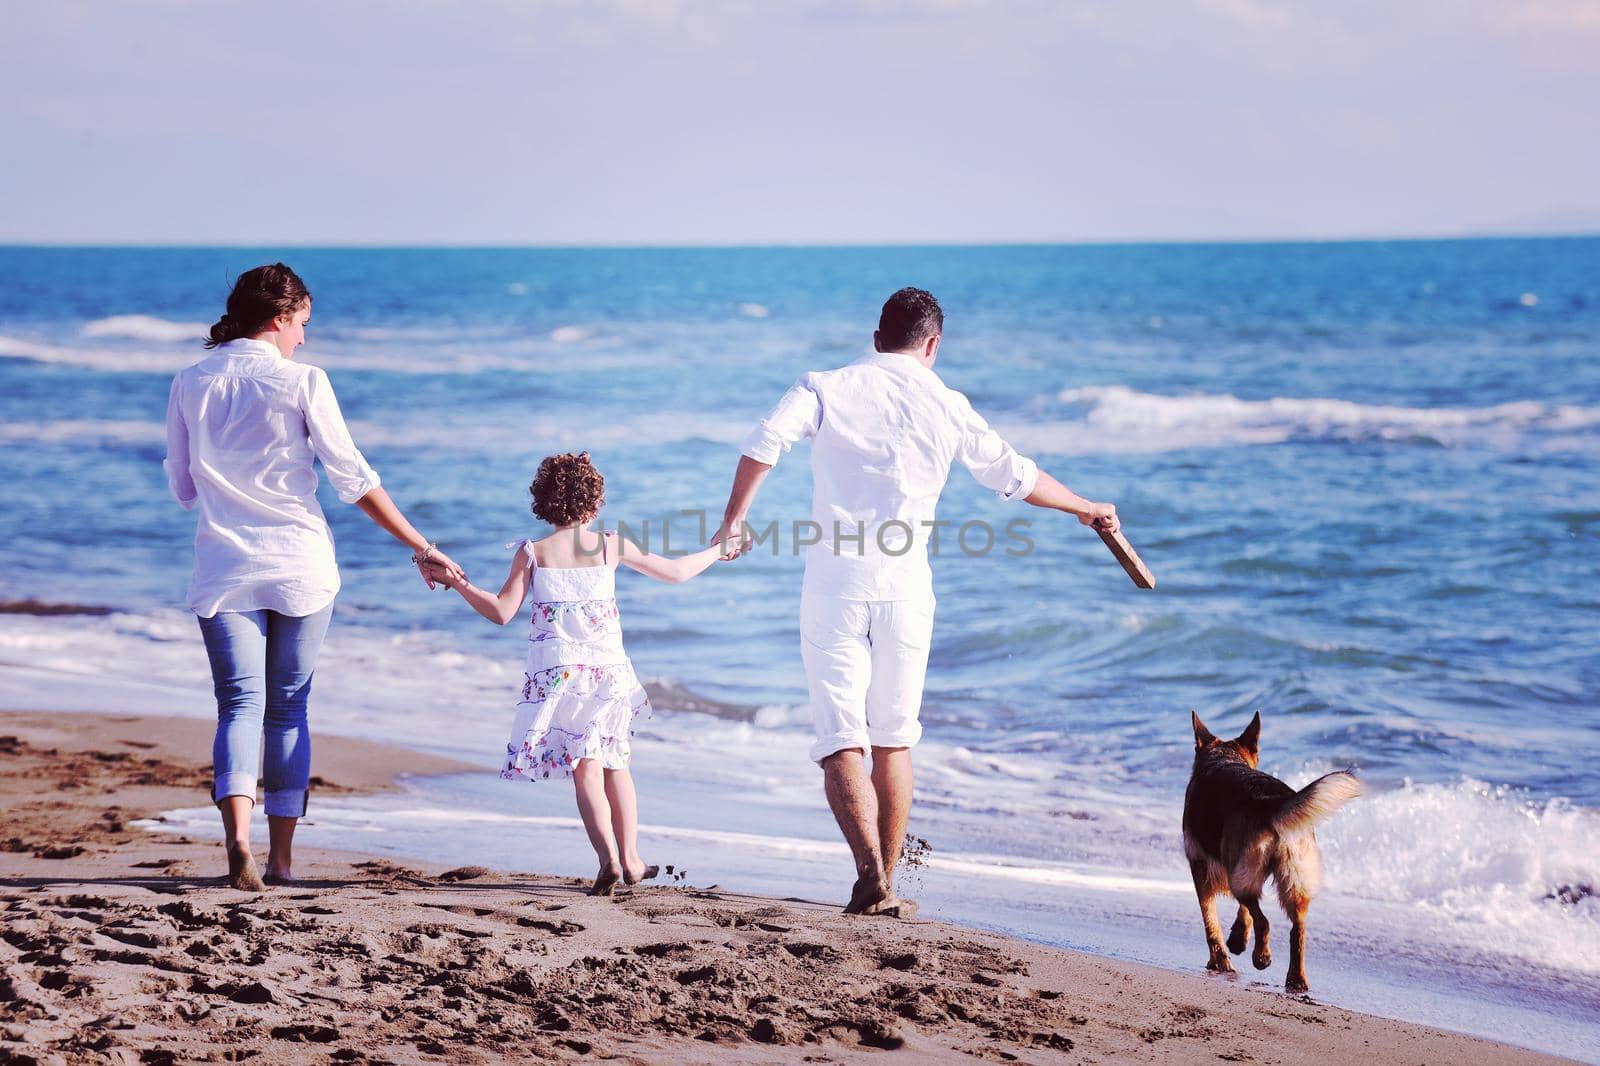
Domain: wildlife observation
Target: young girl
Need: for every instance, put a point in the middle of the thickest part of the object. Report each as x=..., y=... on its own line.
x=580, y=695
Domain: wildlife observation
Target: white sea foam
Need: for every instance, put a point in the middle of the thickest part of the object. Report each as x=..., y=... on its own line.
x=118, y=359
x=15, y=348
x=73, y=431
x=543, y=432
x=1508, y=874
x=1115, y=418
x=144, y=328
x=532, y=434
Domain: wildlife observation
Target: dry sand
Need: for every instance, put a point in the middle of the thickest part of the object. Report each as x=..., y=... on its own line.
x=121, y=945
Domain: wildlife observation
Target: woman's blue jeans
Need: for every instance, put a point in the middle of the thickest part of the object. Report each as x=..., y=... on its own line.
x=261, y=666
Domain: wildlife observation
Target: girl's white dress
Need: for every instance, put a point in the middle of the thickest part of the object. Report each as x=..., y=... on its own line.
x=579, y=694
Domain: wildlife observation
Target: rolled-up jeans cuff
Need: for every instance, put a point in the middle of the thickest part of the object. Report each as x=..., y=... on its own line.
x=233, y=783
x=290, y=803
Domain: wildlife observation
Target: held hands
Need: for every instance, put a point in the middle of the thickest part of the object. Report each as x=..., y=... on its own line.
x=436, y=573
x=437, y=568
x=1102, y=516
x=733, y=544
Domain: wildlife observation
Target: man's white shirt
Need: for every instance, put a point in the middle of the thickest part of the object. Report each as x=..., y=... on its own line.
x=885, y=431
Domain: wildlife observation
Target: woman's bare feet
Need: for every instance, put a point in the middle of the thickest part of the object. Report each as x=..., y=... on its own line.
x=605, y=881
x=632, y=875
x=242, y=872
x=278, y=870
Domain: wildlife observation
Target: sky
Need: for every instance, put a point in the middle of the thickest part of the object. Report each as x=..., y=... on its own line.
x=711, y=122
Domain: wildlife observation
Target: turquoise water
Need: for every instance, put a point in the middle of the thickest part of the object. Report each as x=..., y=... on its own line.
x=1363, y=473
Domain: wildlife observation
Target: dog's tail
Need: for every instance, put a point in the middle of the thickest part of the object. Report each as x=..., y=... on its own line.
x=1316, y=801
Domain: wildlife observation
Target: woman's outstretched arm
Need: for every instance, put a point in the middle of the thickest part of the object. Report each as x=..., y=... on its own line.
x=377, y=506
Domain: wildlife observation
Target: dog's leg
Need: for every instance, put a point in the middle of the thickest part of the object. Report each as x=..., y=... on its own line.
x=1296, y=904
x=1297, y=882
x=1239, y=936
x=1205, y=887
x=1262, y=956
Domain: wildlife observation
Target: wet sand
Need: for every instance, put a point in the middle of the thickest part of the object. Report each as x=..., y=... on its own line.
x=122, y=945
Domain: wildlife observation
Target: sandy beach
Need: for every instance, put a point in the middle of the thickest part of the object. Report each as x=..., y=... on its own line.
x=120, y=945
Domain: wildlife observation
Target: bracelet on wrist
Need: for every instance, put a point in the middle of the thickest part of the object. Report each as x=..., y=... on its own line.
x=424, y=553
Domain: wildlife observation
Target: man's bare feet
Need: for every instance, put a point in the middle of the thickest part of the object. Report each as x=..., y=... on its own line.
x=867, y=894
x=634, y=874
x=242, y=872
x=895, y=907
x=605, y=881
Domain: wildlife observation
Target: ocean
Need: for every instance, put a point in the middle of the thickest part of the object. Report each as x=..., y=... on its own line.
x=1363, y=473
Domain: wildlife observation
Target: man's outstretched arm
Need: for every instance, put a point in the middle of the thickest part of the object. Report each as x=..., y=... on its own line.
x=747, y=481
x=1048, y=492
x=796, y=417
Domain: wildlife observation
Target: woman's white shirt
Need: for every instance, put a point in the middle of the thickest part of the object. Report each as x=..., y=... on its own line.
x=243, y=427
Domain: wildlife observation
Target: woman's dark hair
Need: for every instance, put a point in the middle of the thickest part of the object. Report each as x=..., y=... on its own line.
x=909, y=317
x=567, y=489
x=258, y=297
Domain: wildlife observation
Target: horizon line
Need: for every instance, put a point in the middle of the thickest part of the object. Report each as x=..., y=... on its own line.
x=800, y=245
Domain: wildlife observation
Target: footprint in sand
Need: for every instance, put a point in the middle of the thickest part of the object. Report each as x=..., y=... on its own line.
x=139, y=938
x=560, y=926
x=464, y=911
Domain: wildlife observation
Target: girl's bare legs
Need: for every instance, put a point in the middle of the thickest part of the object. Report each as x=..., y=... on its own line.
x=242, y=872
x=625, y=824
x=589, y=778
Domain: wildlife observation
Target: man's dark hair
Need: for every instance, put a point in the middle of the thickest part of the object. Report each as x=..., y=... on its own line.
x=909, y=317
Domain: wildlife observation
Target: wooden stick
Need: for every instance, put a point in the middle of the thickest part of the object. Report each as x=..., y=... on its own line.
x=1128, y=558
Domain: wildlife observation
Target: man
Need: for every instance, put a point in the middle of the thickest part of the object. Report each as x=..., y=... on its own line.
x=884, y=432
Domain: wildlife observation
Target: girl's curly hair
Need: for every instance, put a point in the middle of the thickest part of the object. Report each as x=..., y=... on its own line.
x=566, y=489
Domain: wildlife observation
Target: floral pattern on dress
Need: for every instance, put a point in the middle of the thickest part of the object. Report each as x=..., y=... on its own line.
x=546, y=683
x=594, y=612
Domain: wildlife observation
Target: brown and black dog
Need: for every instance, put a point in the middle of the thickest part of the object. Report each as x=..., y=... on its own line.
x=1241, y=826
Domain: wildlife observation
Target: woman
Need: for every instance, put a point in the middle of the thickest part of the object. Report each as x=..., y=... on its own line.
x=243, y=426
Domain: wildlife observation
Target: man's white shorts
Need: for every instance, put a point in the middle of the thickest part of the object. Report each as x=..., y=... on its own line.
x=865, y=664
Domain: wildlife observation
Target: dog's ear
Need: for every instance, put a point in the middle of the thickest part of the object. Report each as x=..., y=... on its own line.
x=1250, y=739
x=1202, y=735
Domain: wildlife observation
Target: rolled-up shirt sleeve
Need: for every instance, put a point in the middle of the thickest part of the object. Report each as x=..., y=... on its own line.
x=796, y=417
x=347, y=470
x=176, y=463
x=995, y=464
